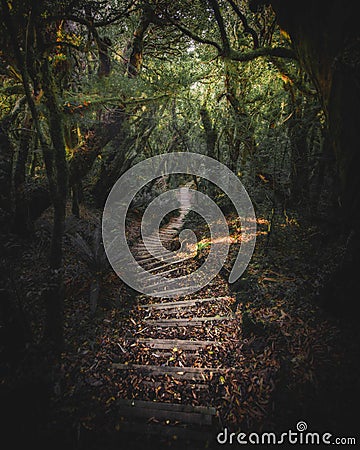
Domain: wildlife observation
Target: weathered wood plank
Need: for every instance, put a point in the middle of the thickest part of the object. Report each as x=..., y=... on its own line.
x=143, y=250
x=186, y=322
x=178, y=343
x=157, y=258
x=167, y=272
x=181, y=303
x=164, y=261
x=165, y=406
x=184, y=417
x=184, y=373
x=155, y=384
x=151, y=429
x=178, y=291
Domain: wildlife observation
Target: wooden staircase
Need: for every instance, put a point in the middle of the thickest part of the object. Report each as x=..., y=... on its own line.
x=164, y=420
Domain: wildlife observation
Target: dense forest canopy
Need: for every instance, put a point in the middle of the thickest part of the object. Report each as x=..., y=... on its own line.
x=90, y=88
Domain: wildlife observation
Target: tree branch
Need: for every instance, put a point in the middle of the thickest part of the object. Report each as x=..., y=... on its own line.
x=192, y=35
x=47, y=152
x=279, y=52
x=117, y=16
x=247, y=28
x=84, y=21
x=220, y=21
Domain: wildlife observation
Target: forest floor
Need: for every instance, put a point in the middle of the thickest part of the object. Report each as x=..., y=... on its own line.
x=292, y=359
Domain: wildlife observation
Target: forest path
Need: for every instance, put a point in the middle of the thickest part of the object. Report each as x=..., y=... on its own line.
x=181, y=349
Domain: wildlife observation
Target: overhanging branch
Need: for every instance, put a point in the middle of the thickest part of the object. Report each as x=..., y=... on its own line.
x=247, y=28
x=220, y=21
x=194, y=36
x=280, y=52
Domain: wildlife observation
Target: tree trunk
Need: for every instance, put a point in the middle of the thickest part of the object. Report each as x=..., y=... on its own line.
x=136, y=47
x=211, y=137
x=21, y=216
x=210, y=132
x=243, y=128
x=325, y=35
x=34, y=159
x=235, y=149
x=6, y=158
x=299, y=174
x=55, y=294
x=75, y=207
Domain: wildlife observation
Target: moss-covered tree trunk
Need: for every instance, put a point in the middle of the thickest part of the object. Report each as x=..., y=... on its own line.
x=55, y=294
x=326, y=37
x=211, y=137
x=298, y=133
x=6, y=160
x=54, y=155
x=210, y=132
x=21, y=216
x=325, y=34
x=244, y=138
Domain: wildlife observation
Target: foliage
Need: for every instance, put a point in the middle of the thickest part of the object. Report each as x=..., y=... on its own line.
x=94, y=256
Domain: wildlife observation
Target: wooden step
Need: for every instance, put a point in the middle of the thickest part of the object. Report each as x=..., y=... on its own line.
x=163, y=239
x=153, y=270
x=197, y=321
x=183, y=344
x=168, y=260
x=158, y=284
x=139, y=430
x=144, y=256
x=166, y=385
x=199, y=415
x=168, y=233
x=181, y=303
x=152, y=246
x=178, y=292
x=158, y=258
x=151, y=238
x=141, y=249
x=183, y=373
x=152, y=264
x=165, y=406
x=167, y=272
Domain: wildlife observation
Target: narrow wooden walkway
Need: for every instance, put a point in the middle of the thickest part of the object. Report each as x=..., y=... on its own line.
x=184, y=421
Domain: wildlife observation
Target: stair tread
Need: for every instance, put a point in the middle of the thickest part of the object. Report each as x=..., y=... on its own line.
x=180, y=303
x=186, y=322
